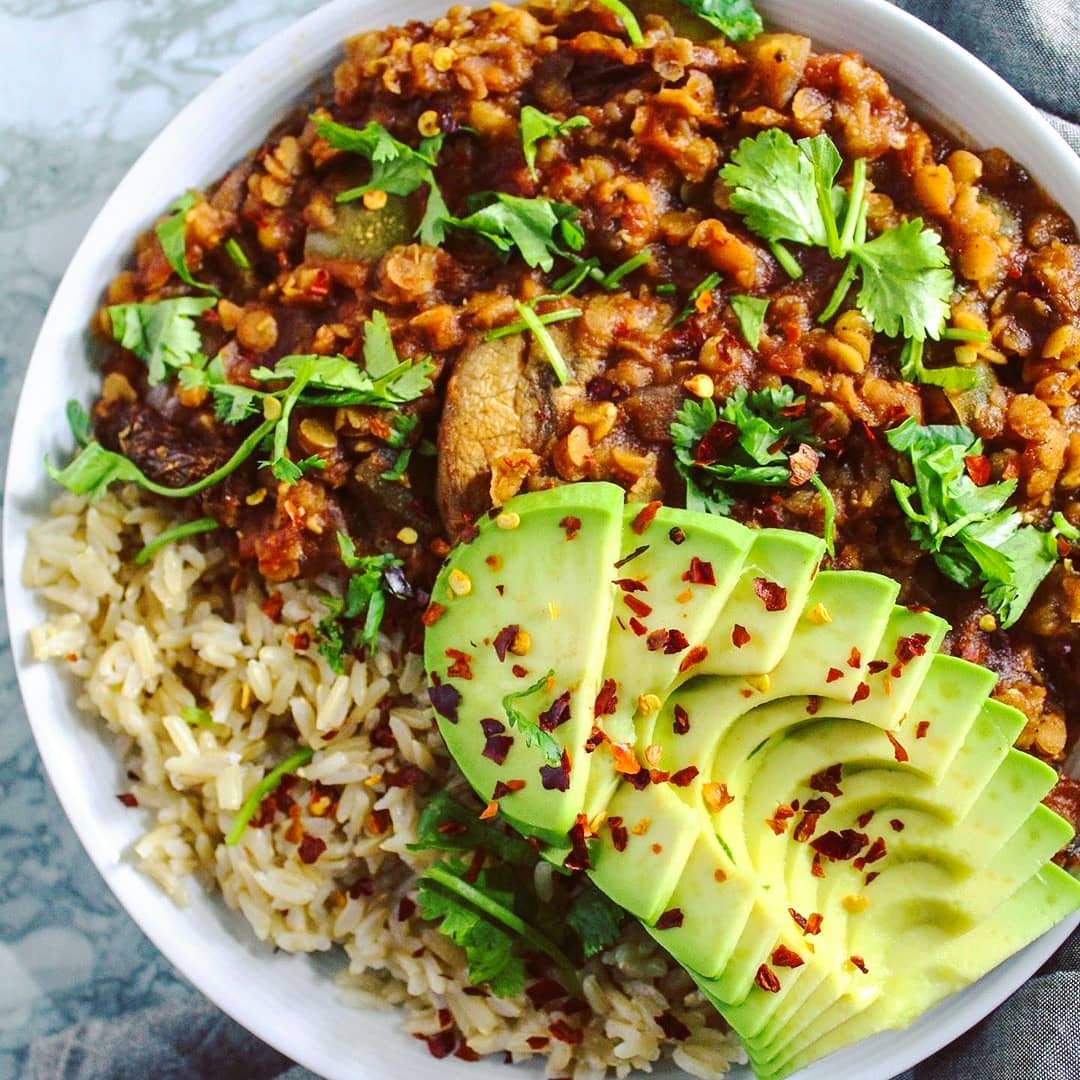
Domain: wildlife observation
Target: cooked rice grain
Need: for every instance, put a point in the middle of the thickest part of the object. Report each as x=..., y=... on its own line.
x=145, y=642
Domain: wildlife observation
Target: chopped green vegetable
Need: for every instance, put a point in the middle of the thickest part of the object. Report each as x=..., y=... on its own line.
x=79, y=421
x=546, y=342
x=163, y=334
x=750, y=311
x=533, y=734
x=668, y=288
x=705, y=285
x=263, y=788
x=613, y=279
x=537, y=126
x=172, y=235
x=472, y=925
x=170, y=536
x=958, y=333
x=466, y=832
x=396, y=168
x=237, y=254
x=974, y=537
x=788, y=263
x=399, y=468
x=735, y=19
x=595, y=919
x=914, y=370
x=201, y=718
x=573, y=278
x=520, y=326
x=627, y=18
x=536, y=228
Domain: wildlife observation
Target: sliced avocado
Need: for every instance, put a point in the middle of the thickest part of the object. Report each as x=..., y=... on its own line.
x=513, y=605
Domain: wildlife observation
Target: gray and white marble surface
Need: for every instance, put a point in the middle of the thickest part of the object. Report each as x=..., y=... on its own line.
x=85, y=85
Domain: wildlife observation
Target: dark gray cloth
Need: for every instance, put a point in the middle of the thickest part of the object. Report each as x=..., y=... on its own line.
x=1035, y=44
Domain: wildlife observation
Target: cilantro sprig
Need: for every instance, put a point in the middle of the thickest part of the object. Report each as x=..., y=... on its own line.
x=758, y=437
x=976, y=539
x=396, y=168
x=735, y=19
x=162, y=334
x=533, y=734
x=172, y=235
x=537, y=126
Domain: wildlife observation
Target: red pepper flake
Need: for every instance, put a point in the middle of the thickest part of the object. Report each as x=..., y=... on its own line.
x=640, y=780
x=877, y=851
x=670, y=641
x=631, y=585
x=672, y=1026
x=128, y=799
x=519, y=672
x=489, y=811
x=978, y=468
x=800, y=920
x=658, y=776
x=469, y=532
x=500, y=589
x=544, y=992
x=898, y=751
x=859, y=962
x=406, y=909
x=862, y=692
x=645, y=516
x=813, y=703
x=445, y=700
x=671, y=919
x=494, y=563
x=638, y=607
x=571, y=526
x=311, y=847
x=301, y=641
x=778, y=827
x=817, y=805
x=496, y=743
x=638, y=627
x=907, y=648
x=537, y=1042
x=870, y=877
x=681, y=723
x=657, y=848
x=556, y=777
x=816, y=867
x=694, y=656
x=833, y=674
x=505, y=787
x=556, y=714
x=626, y=761
x=865, y=818
x=504, y=639
x=272, y=606
x=828, y=780
x=783, y=957
x=596, y=737
x=684, y=777
x=716, y=796
x=632, y=556
x=767, y=980
x=466, y=1053
x=620, y=835
x=461, y=668
x=814, y=921
x=715, y=443
x=677, y=536
x=840, y=846
x=854, y=658
x=607, y=700
x=562, y=1031
x=876, y=667
x=700, y=572
x=803, y=464
x=740, y=636
x=442, y=1044
x=772, y=595
x=364, y=886
x=806, y=827
x=922, y=729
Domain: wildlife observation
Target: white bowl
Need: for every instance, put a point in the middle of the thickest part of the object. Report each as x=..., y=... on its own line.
x=289, y=1001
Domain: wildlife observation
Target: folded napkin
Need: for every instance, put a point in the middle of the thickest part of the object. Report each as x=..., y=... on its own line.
x=1035, y=44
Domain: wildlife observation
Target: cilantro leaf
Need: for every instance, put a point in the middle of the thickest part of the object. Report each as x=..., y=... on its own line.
x=162, y=334
x=536, y=228
x=735, y=19
x=446, y=825
x=706, y=285
x=396, y=168
x=595, y=919
x=79, y=421
x=627, y=18
x=914, y=370
x=750, y=311
x=172, y=235
x=906, y=283
x=532, y=732
x=537, y=126
x=974, y=537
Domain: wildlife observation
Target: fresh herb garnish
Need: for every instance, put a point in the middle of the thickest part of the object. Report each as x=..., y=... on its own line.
x=532, y=732
x=536, y=228
x=162, y=334
x=197, y=717
x=519, y=326
x=170, y=536
x=263, y=788
x=735, y=19
x=760, y=437
x=447, y=825
x=537, y=126
x=750, y=311
x=237, y=254
x=596, y=920
x=79, y=421
x=973, y=536
x=591, y=269
x=627, y=18
x=706, y=285
x=172, y=235
x=546, y=342
x=365, y=594
x=396, y=168
x=913, y=369
x=401, y=464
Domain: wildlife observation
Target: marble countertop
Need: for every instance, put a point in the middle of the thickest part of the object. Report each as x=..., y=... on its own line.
x=84, y=86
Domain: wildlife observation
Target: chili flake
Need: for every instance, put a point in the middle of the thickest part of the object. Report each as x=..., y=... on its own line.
x=833, y=674
x=620, y=835
x=556, y=777
x=639, y=628
x=855, y=658
x=496, y=743
x=677, y=536
x=772, y=595
x=877, y=851
x=562, y=1031
x=681, y=724
x=978, y=468
x=767, y=980
x=556, y=714
x=922, y=729
x=578, y=856
x=865, y=818
x=684, y=777
x=740, y=636
x=859, y=962
x=862, y=692
x=896, y=825
x=694, y=656
x=128, y=799
x=632, y=556
x=645, y=516
x=506, y=787
x=672, y=1026
x=907, y=648
x=596, y=737
x=813, y=704
x=504, y=639
x=898, y=751
x=784, y=957
x=716, y=796
x=445, y=700
x=700, y=572
x=638, y=607
x=571, y=526
x=670, y=641
x=828, y=780
x=311, y=847
x=630, y=585
x=461, y=668
x=806, y=827
x=840, y=846
x=671, y=919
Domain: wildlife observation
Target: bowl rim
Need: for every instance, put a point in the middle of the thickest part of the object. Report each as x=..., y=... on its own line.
x=1058, y=166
